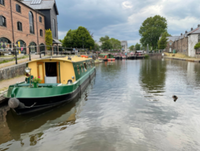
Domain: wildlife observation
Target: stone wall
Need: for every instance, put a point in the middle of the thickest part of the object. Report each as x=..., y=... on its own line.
x=192, y=41
x=13, y=71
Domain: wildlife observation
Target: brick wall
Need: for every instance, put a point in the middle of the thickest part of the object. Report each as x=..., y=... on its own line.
x=23, y=17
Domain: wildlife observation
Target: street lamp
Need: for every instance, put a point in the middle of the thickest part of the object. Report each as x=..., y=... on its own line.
x=28, y=70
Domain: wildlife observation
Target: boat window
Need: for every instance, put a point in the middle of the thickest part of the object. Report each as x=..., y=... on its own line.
x=78, y=70
x=81, y=67
x=51, y=69
x=85, y=66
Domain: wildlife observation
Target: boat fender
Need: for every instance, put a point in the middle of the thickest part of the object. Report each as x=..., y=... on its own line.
x=13, y=103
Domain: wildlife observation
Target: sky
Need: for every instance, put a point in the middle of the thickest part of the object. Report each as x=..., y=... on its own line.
x=121, y=19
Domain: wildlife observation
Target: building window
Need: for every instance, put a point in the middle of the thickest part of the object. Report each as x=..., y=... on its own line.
x=2, y=2
x=199, y=38
x=18, y=8
x=41, y=33
x=31, y=23
x=40, y=19
x=33, y=47
x=19, y=26
x=54, y=28
x=2, y=21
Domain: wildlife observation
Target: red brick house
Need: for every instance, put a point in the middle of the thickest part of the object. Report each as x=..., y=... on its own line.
x=21, y=26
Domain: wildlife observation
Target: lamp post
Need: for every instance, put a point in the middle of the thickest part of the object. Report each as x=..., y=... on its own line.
x=28, y=70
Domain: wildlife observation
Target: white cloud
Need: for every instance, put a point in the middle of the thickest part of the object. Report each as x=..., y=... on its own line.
x=127, y=4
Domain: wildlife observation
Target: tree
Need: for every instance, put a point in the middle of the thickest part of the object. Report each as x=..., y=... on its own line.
x=116, y=44
x=48, y=38
x=106, y=45
x=162, y=43
x=78, y=38
x=82, y=38
x=137, y=46
x=131, y=47
x=197, y=46
x=151, y=30
x=96, y=47
x=68, y=40
x=103, y=39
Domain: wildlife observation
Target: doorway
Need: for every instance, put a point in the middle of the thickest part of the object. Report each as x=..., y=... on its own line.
x=51, y=72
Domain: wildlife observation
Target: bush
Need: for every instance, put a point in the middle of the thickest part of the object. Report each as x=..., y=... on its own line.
x=197, y=46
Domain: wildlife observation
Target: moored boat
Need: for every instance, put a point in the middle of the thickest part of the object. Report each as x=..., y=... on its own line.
x=62, y=79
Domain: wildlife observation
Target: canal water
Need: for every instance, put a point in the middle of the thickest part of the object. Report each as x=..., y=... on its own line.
x=127, y=106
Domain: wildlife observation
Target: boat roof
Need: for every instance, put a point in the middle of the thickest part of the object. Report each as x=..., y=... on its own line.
x=73, y=59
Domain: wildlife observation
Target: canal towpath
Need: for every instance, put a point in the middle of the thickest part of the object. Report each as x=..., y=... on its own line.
x=182, y=57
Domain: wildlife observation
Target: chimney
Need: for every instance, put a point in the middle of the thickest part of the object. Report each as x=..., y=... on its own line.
x=186, y=32
x=191, y=29
x=198, y=25
x=181, y=34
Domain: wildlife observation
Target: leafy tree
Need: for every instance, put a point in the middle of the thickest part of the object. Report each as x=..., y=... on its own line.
x=106, y=45
x=151, y=30
x=68, y=40
x=197, y=46
x=103, y=39
x=48, y=38
x=116, y=44
x=137, y=46
x=83, y=37
x=162, y=43
x=96, y=47
x=131, y=47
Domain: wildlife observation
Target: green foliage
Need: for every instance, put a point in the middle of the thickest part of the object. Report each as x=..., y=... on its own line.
x=137, y=46
x=151, y=30
x=78, y=38
x=36, y=80
x=60, y=40
x=197, y=46
x=48, y=38
x=131, y=47
x=96, y=47
x=162, y=43
x=116, y=44
x=106, y=45
x=146, y=56
x=68, y=40
x=103, y=39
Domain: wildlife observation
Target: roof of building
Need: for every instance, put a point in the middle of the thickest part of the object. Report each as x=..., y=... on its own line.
x=195, y=31
x=55, y=41
x=44, y=4
x=22, y=2
x=173, y=38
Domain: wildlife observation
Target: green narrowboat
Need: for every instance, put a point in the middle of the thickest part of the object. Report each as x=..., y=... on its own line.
x=50, y=82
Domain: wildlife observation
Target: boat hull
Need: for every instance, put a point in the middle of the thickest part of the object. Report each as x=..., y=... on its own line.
x=43, y=103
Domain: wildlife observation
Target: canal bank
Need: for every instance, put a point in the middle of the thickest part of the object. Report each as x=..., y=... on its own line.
x=181, y=57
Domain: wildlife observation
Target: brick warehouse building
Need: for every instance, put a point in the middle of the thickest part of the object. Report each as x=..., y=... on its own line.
x=22, y=26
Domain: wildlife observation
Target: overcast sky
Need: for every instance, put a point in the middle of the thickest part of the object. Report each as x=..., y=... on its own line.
x=122, y=19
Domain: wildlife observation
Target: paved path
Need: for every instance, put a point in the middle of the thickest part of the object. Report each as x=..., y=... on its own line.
x=19, y=61
x=5, y=83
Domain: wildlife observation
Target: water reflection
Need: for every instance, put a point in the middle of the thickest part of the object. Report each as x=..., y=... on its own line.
x=153, y=76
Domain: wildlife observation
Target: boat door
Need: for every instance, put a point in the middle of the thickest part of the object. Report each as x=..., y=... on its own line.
x=40, y=68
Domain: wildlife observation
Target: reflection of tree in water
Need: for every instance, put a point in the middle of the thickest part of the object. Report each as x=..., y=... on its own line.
x=152, y=75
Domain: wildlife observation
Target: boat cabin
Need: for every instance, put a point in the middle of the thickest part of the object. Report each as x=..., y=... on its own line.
x=60, y=70
x=105, y=56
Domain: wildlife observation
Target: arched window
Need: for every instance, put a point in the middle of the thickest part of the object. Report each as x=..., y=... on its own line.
x=19, y=26
x=2, y=21
x=5, y=43
x=18, y=8
x=33, y=47
x=31, y=23
x=42, y=47
x=41, y=32
x=21, y=46
x=2, y=2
